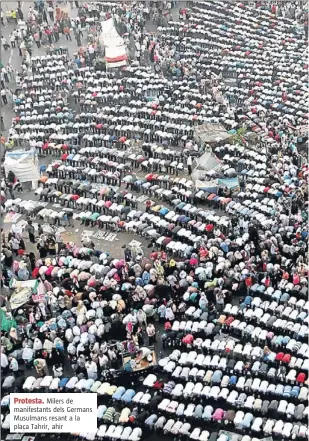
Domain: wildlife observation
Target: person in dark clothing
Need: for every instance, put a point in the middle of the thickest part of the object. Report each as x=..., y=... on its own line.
x=56, y=357
x=8, y=256
x=20, y=13
x=42, y=249
x=127, y=254
x=51, y=244
x=30, y=229
x=32, y=260
x=78, y=39
x=22, y=245
x=44, y=16
x=140, y=337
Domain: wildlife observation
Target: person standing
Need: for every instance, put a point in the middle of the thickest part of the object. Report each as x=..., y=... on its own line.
x=10, y=71
x=78, y=37
x=44, y=16
x=92, y=369
x=220, y=300
x=4, y=43
x=12, y=40
x=67, y=33
x=3, y=96
x=3, y=240
x=113, y=357
x=14, y=16
x=70, y=219
x=50, y=11
x=36, y=37
x=127, y=254
x=30, y=229
x=56, y=32
x=20, y=13
x=5, y=75
x=4, y=361
x=151, y=332
x=14, y=367
x=189, y=164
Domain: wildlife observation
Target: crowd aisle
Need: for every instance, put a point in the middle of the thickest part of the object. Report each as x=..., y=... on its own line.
x=202, y=335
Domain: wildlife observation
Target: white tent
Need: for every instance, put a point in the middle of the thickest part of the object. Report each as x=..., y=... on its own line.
x=206, y=166
x=114, y=45
x=24, y=164
x=208, y=161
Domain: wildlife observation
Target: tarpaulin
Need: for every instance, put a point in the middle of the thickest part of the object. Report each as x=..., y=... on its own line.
x=24, y=164
x=208, y=186
x=229, y=182
x=22, y=293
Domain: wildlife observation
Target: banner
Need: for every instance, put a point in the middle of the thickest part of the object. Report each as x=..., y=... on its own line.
x=38, y=298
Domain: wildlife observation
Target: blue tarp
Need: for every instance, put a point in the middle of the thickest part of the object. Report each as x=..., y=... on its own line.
x=229, y=182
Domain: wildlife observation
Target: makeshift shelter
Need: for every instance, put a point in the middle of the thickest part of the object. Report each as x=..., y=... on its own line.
x=206, y=165
x=114, y=45
x=24, y=164
x=22, y=291
x=211, y=133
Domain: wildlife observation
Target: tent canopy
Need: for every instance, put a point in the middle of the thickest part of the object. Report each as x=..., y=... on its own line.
x=206, y=165
x=24, y=164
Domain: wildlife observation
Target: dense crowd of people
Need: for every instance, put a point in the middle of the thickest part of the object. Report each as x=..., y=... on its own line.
x=202, y=335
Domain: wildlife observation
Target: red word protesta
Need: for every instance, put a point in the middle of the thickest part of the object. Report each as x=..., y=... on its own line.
x=28, y=401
